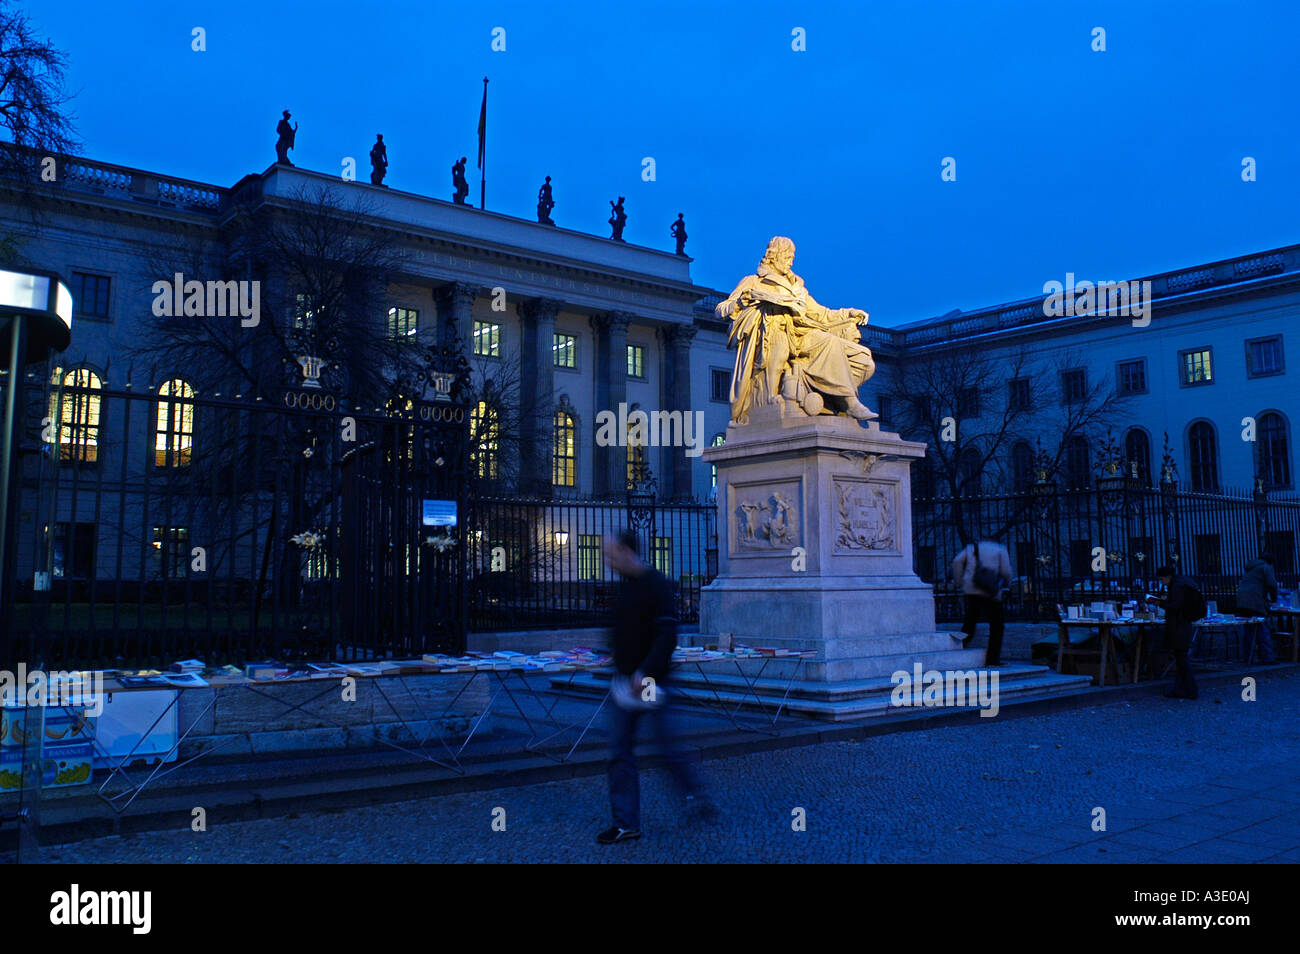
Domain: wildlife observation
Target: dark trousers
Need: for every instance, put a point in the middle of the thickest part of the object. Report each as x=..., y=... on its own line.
x=1184, y=684
x=624, y=780
x=990, y=609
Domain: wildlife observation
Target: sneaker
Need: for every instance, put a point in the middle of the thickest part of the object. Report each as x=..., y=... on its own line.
x=611, y=835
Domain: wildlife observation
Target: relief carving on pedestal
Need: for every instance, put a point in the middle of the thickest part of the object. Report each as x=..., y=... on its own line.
x=766, y=519
x=866, y=516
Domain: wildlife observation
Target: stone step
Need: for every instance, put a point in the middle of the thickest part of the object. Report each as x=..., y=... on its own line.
x=848, y=647
x=840, y=701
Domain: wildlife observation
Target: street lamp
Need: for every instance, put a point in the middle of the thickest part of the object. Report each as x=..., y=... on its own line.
x=36, y=307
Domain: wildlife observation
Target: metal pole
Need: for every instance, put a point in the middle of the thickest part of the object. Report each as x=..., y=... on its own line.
x=482, y=175
x=9, y=474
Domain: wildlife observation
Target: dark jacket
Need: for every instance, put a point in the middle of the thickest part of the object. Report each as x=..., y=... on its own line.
x=1257, y=589
x=644, y=632
x=1183, y=606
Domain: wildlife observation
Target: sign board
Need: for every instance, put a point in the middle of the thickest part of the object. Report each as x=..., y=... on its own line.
x=439, y=513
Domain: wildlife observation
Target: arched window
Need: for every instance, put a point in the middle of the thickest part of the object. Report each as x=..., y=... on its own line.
x=1078, y=469
x=1137, y=451
x=969, y=471
x=923, y=478
x=403, y=436
x=1203, y=456
x=636, y=457
x=1273, y=446
x=718, y=441
x=77, y=411
x=173, y=440
x=564, y=450
x=484, y=433
x=1022, y=466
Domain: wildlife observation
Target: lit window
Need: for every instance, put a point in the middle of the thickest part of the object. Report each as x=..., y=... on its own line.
x=484, y=432
x=661, y=554
x=635, y=361
x=589, y=563
x=564, y=457
x=305, y=314
x=77, y=411
x=1196, y=367
x=487, y=339
x=565, y=351
x=403, y=323
x=174, y=436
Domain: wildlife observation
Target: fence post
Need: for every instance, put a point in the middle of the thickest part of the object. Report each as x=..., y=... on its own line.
x=1260, y=500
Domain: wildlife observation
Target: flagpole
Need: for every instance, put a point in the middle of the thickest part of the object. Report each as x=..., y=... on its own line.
x=482, y=176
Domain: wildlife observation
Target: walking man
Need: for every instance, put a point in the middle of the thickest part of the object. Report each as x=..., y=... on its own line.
x=983, y=570
x=643, y=639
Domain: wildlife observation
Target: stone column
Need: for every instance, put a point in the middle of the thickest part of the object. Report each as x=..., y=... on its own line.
x=611, y=391
x=675, y=395
x=536, y=392
x=455, y=314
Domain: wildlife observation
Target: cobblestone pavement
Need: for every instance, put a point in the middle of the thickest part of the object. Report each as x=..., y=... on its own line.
x=1212, y=780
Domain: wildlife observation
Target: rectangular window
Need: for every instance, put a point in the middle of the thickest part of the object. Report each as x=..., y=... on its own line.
x=171, y=551
x=487, y=339
x=1195, y=367
x=565, y=350
x=403, y=323
x=1132, y=376
x=1208, y=553
x=589, y=564
x=1281, y=543
x=1018, y=394
x=661, y=555
x=1264, y=356
x=74, y=551
x=968, y=402
x=719, y=384
x=1074, y=385
x=635, y=361
x=91, y=295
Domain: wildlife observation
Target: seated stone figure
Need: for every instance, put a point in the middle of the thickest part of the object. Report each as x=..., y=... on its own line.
x=790, y=350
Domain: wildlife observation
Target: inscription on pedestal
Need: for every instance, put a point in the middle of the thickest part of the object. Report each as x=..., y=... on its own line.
x=866, y=516
x=764, y=518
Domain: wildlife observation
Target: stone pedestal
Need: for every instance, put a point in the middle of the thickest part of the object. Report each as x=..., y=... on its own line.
x=815, y=547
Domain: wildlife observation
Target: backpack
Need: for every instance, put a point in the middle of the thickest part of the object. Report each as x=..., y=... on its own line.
x=987, y=581
x=1196, y=605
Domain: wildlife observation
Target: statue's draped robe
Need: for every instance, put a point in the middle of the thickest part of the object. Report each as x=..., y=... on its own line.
x=777, y=326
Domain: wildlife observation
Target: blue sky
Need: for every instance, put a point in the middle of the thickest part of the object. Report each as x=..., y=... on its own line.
x=1109, y=165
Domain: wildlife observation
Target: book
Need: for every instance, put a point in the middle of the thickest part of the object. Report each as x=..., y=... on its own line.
x=188, y=665
x=185, y=680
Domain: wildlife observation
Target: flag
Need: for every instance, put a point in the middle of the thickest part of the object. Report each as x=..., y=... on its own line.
x=482, y=126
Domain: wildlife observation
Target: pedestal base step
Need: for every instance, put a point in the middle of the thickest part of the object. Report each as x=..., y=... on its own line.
x=840, y=701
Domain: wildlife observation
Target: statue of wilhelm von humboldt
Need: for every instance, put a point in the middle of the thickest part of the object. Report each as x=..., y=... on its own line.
x=791, y=351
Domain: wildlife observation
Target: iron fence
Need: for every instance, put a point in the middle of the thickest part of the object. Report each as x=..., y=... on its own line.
x=155, y=528
x=1106, y=541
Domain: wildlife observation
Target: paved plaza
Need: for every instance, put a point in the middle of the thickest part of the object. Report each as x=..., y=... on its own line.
x=1215, y=780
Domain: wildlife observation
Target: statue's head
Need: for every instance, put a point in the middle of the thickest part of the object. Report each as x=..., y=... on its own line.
x=780, y=253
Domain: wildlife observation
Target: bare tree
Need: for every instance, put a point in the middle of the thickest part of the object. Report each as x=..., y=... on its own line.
x=33, y=113
x=971, y=406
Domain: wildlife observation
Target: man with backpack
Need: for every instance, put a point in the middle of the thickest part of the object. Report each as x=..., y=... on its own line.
x=1183, y=605
x=983, y=569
